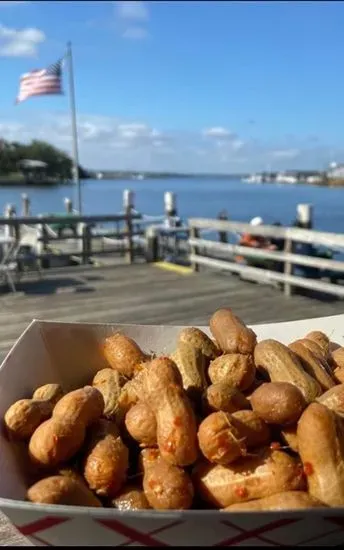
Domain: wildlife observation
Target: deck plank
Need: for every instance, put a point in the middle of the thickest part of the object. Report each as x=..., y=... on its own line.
x=145, y=294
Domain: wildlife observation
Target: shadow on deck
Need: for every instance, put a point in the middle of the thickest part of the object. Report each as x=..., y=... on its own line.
x=143, y=293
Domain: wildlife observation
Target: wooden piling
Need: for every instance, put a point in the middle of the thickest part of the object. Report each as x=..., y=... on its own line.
x=304, y=216
x=152, y=244
x=25, y=205
x=170, y=204
x=223, y=236
x=68, y=205
x=129, y=207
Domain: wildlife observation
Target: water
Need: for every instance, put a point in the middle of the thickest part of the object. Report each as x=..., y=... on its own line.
x=197, y=198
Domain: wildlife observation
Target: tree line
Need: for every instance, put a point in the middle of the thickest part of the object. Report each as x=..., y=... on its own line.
x=59, y=164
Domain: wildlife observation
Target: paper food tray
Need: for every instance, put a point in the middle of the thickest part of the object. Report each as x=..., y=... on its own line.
x=68, y=353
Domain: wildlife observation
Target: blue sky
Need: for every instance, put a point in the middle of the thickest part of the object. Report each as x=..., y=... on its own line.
x=192, y=86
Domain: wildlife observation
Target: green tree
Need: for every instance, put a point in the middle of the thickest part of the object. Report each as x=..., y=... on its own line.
x=59, y=164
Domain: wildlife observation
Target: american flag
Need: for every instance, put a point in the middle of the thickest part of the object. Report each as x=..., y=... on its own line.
x=41, y=82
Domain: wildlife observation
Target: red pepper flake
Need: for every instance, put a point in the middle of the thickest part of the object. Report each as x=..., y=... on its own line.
x=275, y=446
x=241, y=492
x=178, y=421
x=152, y=484
x=308, y=469
x=152, y=454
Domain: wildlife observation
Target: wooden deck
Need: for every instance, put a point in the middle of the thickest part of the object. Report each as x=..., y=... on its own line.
x=143, y=293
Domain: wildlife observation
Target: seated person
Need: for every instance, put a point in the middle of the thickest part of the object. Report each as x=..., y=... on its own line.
x=256, y=241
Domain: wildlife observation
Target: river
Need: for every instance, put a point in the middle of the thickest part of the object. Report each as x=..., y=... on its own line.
x=195, y=197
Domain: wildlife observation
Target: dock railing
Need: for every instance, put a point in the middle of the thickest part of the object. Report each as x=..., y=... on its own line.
x=128, y=226
x=203, y=252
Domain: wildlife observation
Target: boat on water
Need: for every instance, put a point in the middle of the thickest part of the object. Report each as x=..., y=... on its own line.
x=254, y=178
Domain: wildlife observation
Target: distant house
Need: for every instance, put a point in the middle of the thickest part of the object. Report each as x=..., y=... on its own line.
x=33, y=170
x=336, y=172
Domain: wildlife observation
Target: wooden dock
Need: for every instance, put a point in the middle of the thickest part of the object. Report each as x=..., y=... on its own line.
x=158, y=293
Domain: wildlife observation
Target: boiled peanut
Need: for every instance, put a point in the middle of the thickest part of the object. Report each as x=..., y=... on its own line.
x=131, y=497
x=106, y=459
x=282, y=365
x=278, y=403
x=231, y=334
x=334, y=399
x=321, y=339
x=236, y=369
x=123, y=354
x=109, y=382
x=219, y=440
x=49, y=392
x=324, y=358
x=140, y=422
x=191, y=364
x=312, y=365
x=176, y=421
x=289, y=500
x=252, y=429
x=59, y=438
x=320, y=435
x=337, y=358
x=166, y=487
x=223, y=397
x=84, y=405
x=248, y=479
x=127, y=398
x=24, y=417
x=314, y=348
x=62, y=490
x=199, y=340
x=338, y=375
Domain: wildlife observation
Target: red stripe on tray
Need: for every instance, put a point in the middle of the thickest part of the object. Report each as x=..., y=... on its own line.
x=320, y=536
x=40, y=525
x=263, y=539
x=132, y=534
x=156, y=531
x=256, y=532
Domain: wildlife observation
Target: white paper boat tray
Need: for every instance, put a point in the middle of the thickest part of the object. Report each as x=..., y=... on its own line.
x=68, y=353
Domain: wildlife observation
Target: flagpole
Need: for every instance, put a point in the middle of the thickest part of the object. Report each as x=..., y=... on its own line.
x=76, y=177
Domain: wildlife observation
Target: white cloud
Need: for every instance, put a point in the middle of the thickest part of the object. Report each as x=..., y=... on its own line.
x=20, y=43
x=111, y=143
x=133, y=10
x=133, y=17
x=217, y=132
x=237, y=144
x=285, y=154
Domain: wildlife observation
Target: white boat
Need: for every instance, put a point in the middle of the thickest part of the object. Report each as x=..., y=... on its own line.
x=285, y=178
x=254, y=178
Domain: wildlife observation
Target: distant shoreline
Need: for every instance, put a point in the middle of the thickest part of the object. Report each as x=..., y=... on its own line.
x=16, y=180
